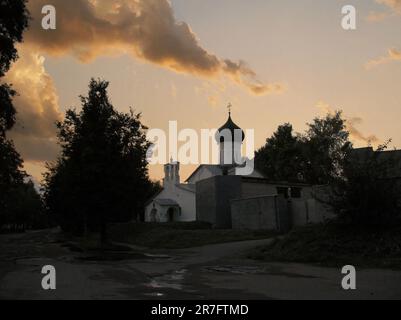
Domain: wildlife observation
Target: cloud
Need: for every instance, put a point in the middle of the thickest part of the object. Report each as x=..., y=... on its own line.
x=376, y=16
x=351, y=124
x=37, y=108
x=395, y=5
x=392, y=55
x=357, y=135
x=146, y=29
x=213, y=100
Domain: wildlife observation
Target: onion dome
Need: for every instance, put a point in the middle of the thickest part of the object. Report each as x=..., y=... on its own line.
x=232, y=127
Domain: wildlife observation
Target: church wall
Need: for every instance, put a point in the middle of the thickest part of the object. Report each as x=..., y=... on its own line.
x=185, y=199
x=206, y=201
x=151, y=205
x=213, y=197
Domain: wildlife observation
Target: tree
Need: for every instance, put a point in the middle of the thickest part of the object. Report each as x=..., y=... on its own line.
x=316, y=157
x=101, y=175
x=13, y=21
x=281, y=158
x=366, y=194
x=326, y=146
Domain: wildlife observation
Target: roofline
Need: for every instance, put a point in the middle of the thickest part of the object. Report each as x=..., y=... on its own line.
x=198, y=168
x=283, y=183
x=179, y=186
x=153, y=197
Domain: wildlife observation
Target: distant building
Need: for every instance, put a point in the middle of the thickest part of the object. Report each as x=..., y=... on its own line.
x=177, y=201
x=215, y=194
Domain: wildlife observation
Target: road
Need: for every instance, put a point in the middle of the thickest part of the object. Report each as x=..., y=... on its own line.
x=211, y=272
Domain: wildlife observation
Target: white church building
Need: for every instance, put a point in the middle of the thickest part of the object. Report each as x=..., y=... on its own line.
x=177, y=201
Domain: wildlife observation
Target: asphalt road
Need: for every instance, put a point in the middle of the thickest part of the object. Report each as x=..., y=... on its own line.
x=211, y=272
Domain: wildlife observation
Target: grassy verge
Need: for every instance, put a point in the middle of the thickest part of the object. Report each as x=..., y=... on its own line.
x=179, y=235
x=336, y=245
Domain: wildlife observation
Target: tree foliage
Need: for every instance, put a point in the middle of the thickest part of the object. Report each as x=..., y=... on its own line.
x=315, y=157
x=14, y=18
x=368, y=193
x=101, y=175
x=19, y=201
x=281, y=158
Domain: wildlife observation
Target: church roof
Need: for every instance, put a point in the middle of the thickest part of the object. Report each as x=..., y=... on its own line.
x=215, y=169
x=232, y=127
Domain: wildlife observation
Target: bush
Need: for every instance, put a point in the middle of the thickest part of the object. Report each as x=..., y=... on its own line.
x=367, y=194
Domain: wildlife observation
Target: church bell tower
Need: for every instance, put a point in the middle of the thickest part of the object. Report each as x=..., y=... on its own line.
x=230, y=138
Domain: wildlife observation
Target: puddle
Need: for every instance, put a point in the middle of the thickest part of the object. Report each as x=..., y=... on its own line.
x=112, y=256
x=157, y=256
x=235, y=269
x=254, y=270
x=154, y=294
x=168, y=281
x=119, y=256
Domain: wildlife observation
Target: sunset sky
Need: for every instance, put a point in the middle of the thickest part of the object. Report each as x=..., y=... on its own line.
x=276, y=61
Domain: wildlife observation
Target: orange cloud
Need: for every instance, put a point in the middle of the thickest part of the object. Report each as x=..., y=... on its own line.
x=351, y=125
x=146, y=29
x=393, y=4
x=392, y=55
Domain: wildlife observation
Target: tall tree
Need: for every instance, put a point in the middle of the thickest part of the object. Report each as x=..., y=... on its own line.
x=13, y=21
x=102, y=173
x=316, y=157
x=326, y=147
x=281, y=158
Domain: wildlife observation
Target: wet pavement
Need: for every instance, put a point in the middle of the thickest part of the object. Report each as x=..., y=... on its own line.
x=212, y=272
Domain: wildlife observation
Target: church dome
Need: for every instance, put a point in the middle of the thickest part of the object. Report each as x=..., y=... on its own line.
x=229, y=125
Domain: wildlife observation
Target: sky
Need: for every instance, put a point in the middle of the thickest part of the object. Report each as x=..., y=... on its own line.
x=276, y=61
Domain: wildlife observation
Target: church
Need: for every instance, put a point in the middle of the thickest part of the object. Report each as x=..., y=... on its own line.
x=220, y=195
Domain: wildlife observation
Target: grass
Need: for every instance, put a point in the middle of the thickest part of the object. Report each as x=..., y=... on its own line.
x=334, y=245
x=179, y=235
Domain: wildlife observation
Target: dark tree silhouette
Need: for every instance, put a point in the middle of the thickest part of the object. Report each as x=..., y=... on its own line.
x=13, y=21
x=367, y=193
x=102, y=174
x=326, y=147
x=281, y=158
x=316, y=157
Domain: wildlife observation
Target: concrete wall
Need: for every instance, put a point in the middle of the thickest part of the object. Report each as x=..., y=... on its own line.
x=255, y=188
x=261, y=213
x=213, y=198
x=245, y=203
x=276, y=213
